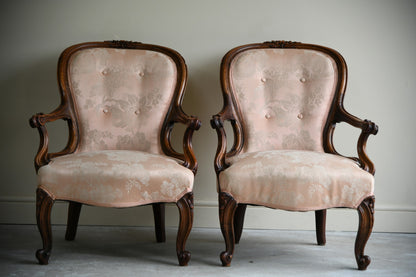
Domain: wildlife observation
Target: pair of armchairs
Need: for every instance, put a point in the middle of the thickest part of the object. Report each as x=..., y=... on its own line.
x=122, y=99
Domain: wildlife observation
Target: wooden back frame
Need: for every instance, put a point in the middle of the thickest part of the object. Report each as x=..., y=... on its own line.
x=231, y=112
x=66, y=110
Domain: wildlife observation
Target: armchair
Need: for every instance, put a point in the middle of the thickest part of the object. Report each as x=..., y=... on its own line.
x=120, y=101
x=283, y=100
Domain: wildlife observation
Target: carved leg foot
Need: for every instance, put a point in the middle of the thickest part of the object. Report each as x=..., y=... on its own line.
x=74, y=210
x=44, y=203
x=227, y=208
x=239, y=221
x=366, y=216
x=186, y=213
x=320, y=222
x=159, y=216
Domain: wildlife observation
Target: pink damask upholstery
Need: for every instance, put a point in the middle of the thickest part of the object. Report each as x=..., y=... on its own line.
x=283, y=100
x=121, y=96
x=116, y=178
x=121, y=101
x=296, y=180
x=284, y=96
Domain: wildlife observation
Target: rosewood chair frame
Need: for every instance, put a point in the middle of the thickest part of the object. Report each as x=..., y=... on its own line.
x=232, y=213
x=67, y=112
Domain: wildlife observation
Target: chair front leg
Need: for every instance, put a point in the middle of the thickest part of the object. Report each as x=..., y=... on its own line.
x=74, y=210
x=239, y=221
x=366, y=215
x=159, y=216
x=44, y=203
x=186, y=215
x=227, y=208
x=320, y=222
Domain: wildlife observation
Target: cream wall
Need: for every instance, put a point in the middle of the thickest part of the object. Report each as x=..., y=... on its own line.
x=377, y=39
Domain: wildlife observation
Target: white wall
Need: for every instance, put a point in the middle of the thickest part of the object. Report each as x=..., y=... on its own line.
x=377, y=39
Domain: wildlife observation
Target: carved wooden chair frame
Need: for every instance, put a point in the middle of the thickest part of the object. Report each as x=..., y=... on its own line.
x=66, y=111
x=232, y=214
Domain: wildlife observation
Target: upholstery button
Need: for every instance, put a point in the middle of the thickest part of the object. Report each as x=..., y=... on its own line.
x=105, y=111
x=300, y=116
x=263, y=80
x=104, y=72
x=267, y=116
x=137, y=112
x=141, y=74
x=303, y=80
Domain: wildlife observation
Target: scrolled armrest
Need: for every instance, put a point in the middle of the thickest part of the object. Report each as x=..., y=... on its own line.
x=367, y=128
x=39, y=121
x=193, y=124
x=217, y=123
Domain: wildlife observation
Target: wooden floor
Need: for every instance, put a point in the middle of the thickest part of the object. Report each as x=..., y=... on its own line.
x=132, y=251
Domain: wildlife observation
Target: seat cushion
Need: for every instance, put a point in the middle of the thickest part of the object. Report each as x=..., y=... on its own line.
x=296, y=180
x=116, y=178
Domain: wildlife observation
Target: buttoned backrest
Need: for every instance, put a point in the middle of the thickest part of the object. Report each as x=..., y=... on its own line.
x=284, y=97
x=121, y=97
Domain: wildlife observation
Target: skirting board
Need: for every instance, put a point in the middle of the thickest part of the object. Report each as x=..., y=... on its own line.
x=387, y=219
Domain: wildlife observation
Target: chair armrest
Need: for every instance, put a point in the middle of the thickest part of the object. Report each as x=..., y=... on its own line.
x=217, y=123
x=193, y=124
x=188, y=156
x=39, y=121
x=367, y=128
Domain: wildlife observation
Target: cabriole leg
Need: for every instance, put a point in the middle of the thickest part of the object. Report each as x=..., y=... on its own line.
x=74, y=210
x=320, y=222
x=159, y=216
x=44, y=203
x=366, y=221
x=186, y=215
x=227, y=207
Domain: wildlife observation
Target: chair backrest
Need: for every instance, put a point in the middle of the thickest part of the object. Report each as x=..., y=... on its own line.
x=283, y=93
x=121, y=93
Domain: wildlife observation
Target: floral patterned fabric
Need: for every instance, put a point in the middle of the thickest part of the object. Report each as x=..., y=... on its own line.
x=296, y=180
x=284, y=96
x=114, y=178
x=122, y=97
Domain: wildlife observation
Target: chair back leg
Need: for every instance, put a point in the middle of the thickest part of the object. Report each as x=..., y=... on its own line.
x=320, y=222
x=74, y=210
x=159, y=216
x=239, y=221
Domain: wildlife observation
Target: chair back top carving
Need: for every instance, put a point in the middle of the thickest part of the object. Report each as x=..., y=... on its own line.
x=124, y=95
x=282, y=94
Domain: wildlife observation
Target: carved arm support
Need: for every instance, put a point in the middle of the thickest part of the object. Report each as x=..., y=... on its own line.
x=367, y=128
x=193, y=124
x=217, y=123
x=39, y=121
x=188, y=156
